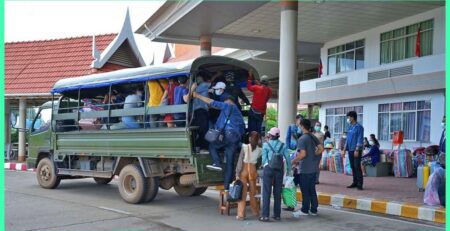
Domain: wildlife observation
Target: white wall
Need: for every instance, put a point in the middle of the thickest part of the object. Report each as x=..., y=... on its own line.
x=372, y=38
x=370, y=113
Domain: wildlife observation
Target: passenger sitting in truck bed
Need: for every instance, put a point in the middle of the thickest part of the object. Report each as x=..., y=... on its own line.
x=156, y=89
x=231, y=122
x=132, y=101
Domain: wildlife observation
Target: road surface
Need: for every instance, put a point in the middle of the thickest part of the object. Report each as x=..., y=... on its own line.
x=83, y=205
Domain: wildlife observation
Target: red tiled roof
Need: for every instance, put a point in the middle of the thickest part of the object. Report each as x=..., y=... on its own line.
x=185, y=52
x=34, y=66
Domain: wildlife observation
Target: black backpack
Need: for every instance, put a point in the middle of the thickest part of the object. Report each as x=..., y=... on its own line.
x=277, y=158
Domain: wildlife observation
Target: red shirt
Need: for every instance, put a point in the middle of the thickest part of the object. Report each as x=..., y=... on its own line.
x=261, y=95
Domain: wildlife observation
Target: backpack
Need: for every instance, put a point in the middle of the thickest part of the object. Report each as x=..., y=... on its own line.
x=277, y=158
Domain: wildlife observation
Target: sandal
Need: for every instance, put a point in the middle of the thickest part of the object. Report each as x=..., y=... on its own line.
x=240, y=218
x=264, y=219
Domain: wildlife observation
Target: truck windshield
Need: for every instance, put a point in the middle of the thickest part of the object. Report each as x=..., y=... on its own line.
x=42, y=121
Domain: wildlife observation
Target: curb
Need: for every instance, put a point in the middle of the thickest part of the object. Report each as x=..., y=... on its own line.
x=407, y=210
x=17, y=167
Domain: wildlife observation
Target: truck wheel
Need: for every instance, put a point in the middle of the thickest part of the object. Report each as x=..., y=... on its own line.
x=46, y=174
x=199, y=191
x=152, y=188
x=132, y=184
x=185, y=190
x=99, y=180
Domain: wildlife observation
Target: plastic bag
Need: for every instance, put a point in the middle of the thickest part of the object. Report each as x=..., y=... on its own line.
x=289, y=182
x=431, y=196
x=289, y=196
x=347, y=166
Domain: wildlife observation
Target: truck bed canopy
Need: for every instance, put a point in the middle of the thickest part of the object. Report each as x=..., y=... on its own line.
x=140, y=74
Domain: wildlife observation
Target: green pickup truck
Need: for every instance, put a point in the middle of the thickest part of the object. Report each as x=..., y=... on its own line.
x=78, y=135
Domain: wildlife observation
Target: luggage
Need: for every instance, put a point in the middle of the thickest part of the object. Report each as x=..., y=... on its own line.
x=433, y=166
x=347, y=167
x=324, y=161
x=235, y=192
x=402, y=163
x=338, y=163
x=422, y=177
x=331, y=166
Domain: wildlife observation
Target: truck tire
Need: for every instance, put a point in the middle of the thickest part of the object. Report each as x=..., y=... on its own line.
x=152, y=188
x=132, y=184
x=46, y=174
x=185, y=190
x=199, y=191
x=102, y=181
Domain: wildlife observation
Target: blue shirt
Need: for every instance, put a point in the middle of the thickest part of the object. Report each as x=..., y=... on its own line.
x=374, y=154
x=235, y=122
x=202, y=89
x=178, y=94
x=292, y=136
x=355, y=133
x=267, y=152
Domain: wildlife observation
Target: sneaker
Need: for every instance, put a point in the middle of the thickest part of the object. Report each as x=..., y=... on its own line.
x=313, y=214
x=299, y=213
x=204, y=151
x=214, y=167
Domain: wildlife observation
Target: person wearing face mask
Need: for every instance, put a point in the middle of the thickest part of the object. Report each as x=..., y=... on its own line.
x=354, y=146
x=132, y=101
x=218, y=94
x=321, y=137
x=232, y=123
x=294, y=132
x=261, y=95
x=373, y=156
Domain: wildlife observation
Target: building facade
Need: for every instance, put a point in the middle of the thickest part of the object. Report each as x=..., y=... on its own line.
x=393, y=81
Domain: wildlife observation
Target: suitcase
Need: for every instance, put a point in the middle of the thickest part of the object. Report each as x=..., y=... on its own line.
x=402, y=163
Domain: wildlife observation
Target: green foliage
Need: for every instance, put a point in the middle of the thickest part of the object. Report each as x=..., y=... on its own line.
x=271, y=118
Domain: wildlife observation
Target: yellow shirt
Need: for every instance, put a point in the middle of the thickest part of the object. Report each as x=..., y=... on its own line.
x=156, y=92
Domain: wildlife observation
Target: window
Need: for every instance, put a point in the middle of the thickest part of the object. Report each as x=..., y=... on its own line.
x=400, y=43
x=413, y=118
x=42, y=121
x=336, y=119
x=346, y=57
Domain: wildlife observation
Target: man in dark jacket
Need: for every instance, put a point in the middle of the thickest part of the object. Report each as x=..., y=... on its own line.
x=235, y=90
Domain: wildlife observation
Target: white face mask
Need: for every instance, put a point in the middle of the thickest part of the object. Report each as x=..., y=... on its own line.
x=348, y=120
x=443, y=125
x=371, y=142
x=345, y=137
x=317, y=128
x=218, y=92
x=139, y=93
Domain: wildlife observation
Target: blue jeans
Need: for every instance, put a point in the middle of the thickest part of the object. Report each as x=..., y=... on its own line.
x=309, y=194
x=230, y=146
x=272, y=178
x=130, y=122
x=254, y=121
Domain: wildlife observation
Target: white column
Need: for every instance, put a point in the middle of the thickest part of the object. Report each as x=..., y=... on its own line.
x=22, y=127
x=205, y=45
x=288, y=87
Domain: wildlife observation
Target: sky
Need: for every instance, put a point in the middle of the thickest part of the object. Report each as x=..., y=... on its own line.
x=37, y=20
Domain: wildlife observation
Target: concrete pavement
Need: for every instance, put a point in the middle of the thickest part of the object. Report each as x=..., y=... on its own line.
x=83, y=205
